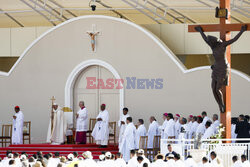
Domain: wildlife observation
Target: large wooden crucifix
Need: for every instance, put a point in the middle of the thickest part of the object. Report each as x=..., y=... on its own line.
x=225, y=29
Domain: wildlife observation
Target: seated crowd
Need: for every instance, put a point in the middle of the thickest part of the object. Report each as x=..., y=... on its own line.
x=106, y=159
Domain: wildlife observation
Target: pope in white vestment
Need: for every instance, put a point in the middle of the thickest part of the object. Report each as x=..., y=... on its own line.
x=122, y=123
x=128, y=140
x=101, y=130
x=57, y=135
x=17, y=128
x=153, y=130
x=140, y=131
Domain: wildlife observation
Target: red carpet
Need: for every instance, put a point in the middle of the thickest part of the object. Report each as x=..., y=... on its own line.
x=64, y=150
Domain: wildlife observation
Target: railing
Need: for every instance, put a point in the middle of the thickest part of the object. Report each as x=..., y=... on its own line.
x=225, y=148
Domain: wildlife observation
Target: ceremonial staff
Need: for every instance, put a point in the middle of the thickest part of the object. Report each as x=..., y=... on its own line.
x=52, y=113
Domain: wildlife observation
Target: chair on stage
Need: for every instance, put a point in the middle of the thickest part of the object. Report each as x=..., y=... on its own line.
x=171, y=142
x=92, y=123
x=152, y=152
x=6, y=135
x=143, y=144
x=26, y=131
x=112, y=132
x=157, y=145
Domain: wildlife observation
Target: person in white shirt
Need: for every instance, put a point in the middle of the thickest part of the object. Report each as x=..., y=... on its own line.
x=236, y=162
x=140, y=131
x=177, y=126
x=245, y=162
x=153, y=130
x=209, y=131
x=108, y=160
x=159, y=162
x=170, y=160
x=17, y=129
x=133, y=159
x=189, y=162
x=128, y=140
x=169, y=131
x=193, y=128
x=101, y=130
x=216, y=123
x=178, y=161
x=141, y=154
x=204, y=163
x=233, y=127
x=119, y=162
x=201, y=128
x=81, y=124
x=122, y=123
x=205, y=117
x=215, y=161
x=164, y=124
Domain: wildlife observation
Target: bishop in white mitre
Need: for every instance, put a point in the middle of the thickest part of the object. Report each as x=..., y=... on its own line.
x=128, y=140
x=153, y=131
x=57, y=133
x=140, y=131
x=122, y=123
x=101, y=130
x=17, y=128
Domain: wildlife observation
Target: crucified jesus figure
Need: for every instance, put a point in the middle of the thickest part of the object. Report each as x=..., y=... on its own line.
x=92, y=36
x=220, y=67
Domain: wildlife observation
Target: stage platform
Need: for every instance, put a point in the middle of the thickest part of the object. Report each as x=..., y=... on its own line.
x=64, y=150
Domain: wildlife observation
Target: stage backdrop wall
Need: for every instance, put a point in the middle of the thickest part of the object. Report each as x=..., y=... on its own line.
x=52, y=63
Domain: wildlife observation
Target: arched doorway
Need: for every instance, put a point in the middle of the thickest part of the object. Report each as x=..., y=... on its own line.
x=76, y=90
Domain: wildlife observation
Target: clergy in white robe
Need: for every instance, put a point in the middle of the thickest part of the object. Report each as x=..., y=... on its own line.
x=201, y=128
x=169, y=131
x=101, y=130
x=128, y=140
x=163, y=126
x=81, y=124
x=57, y=134
x=209, y=131
x=193, y=128
x=122, y=123
x=183, y=132
x=177, y=126
x=216, y=123
x=152, y=131
x=205, y=117
x=140, y=131
x=17, y=128
x=189, y=125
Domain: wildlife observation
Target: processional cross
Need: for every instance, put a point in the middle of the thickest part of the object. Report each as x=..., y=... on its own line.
x=93, y=35
x=221, y=76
